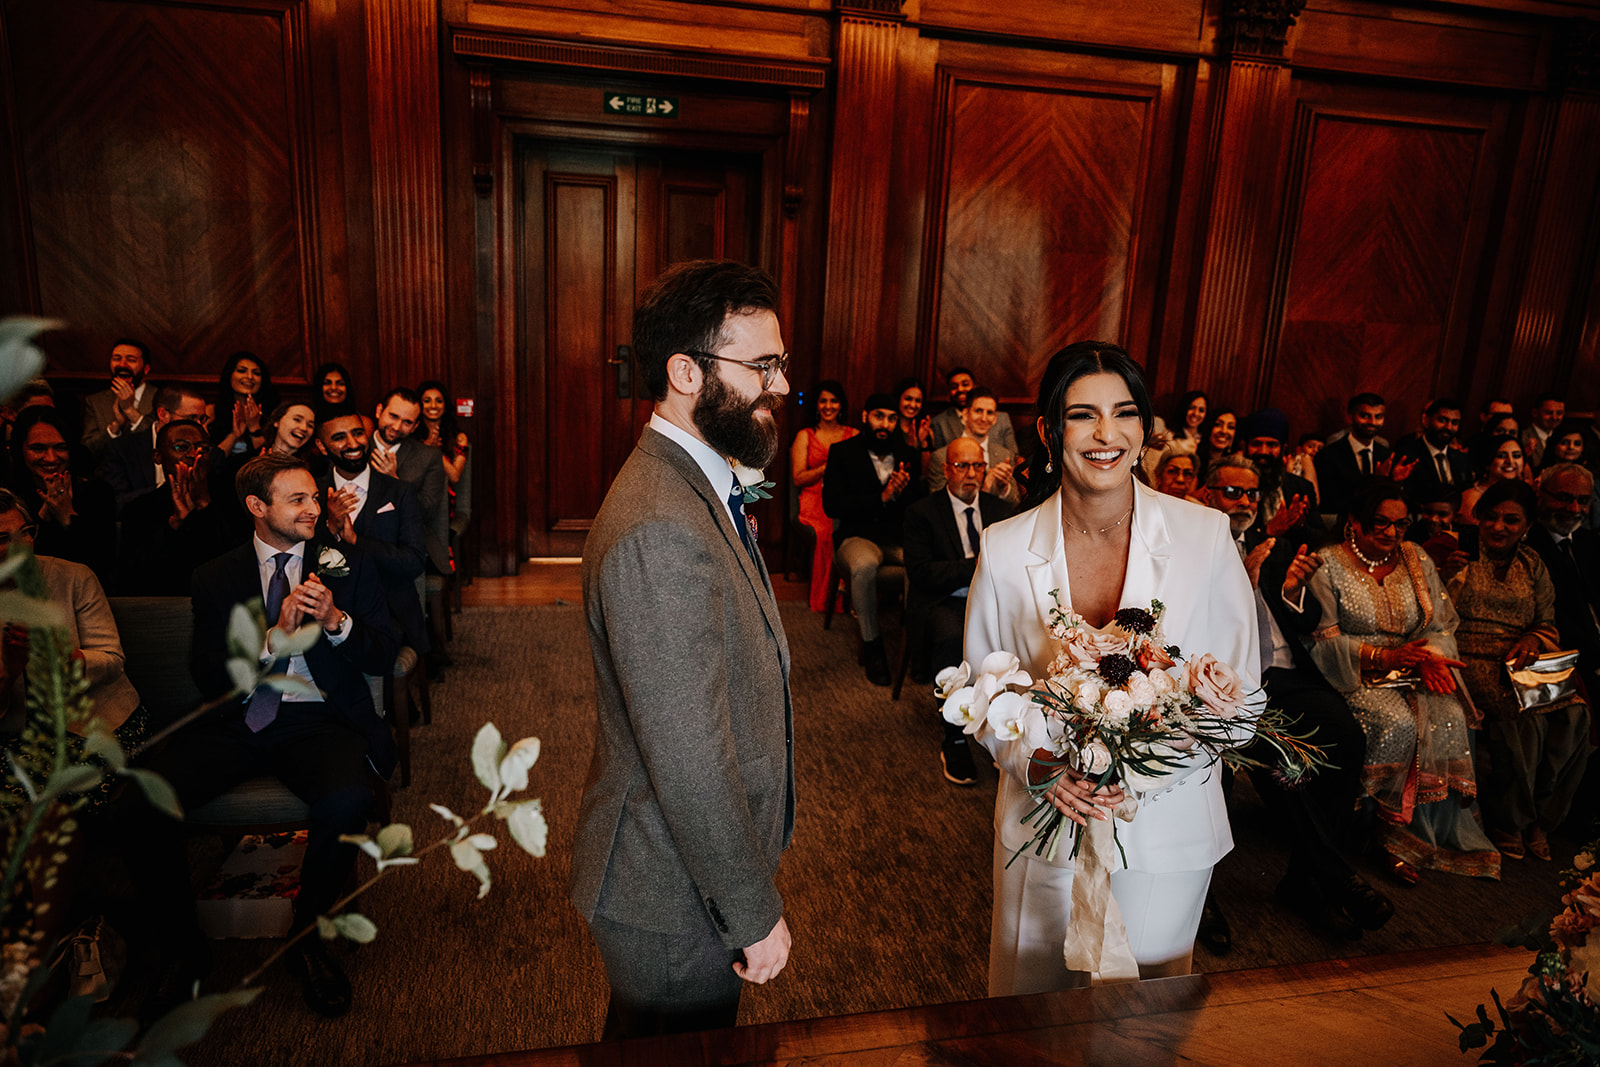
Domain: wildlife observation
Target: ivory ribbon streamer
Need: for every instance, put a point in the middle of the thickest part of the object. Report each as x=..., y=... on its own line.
x=1097, y=938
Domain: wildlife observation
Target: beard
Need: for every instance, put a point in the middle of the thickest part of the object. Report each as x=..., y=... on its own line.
x=1270, y=470
x=1562, y=523
x=880, y=442
x=1240, y=521
x=350, y=467
x=730, y=425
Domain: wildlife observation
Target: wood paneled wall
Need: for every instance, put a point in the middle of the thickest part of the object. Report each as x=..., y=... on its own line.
x=1278, y=200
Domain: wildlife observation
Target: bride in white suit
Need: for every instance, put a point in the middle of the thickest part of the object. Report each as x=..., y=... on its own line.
x=1105, y=541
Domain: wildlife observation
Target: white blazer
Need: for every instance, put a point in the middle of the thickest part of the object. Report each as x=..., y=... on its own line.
x=1181, y=554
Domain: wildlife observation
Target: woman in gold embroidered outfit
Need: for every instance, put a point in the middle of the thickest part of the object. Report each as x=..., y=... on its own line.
x=1384, y=611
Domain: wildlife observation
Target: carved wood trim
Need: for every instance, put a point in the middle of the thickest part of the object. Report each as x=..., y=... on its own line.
x=872, y=9
x=480, y=87
x=639, y=61
x=794, y=156
x=11, y=146
x=1257, y=28
x=407, y=185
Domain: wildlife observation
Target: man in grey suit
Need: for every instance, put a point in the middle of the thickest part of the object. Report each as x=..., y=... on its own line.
x=689, y=801
x=399, y=455
x=112, y=412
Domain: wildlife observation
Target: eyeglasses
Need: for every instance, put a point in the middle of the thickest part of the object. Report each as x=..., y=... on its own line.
x=183, y=446
x=1379, y=525
x=22, y=532
x=977, y=466
x=770, y=367
x=1234, y=492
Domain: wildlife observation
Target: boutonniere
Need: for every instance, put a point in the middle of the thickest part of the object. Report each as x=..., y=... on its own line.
x=332, y=564
x=753, y=483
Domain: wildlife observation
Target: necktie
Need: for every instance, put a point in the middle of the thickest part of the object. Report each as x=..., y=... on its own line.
x=265, y=700
x=972, y=532
x=1366, y=461
x=740, y=522
x=1444, y=469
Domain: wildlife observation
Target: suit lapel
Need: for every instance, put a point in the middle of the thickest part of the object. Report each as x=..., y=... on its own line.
x=1150, y=554
x=662, y=447
x=1047, y=572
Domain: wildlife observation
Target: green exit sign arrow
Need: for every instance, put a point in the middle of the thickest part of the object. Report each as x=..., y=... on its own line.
x=661, y=107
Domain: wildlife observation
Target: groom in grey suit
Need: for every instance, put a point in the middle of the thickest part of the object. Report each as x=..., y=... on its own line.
x=689, y=801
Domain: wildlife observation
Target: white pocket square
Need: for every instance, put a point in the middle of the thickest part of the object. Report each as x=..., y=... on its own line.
x=387, y=507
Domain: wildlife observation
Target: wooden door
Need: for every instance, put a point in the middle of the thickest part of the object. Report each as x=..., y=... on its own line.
x=595, y=225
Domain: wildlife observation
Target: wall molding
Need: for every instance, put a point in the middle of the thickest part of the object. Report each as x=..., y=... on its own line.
x=544, y=53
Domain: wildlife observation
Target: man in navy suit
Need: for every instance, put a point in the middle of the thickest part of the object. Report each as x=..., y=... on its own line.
x=324, y=750
x=376, y=515
x=941, y=556
x=1343, y=463
x=131, y=466
x=1441, y=465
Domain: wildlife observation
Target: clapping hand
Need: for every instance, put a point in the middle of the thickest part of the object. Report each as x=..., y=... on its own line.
x=1395, y=467
x=999, y=479
x=924, y=433
x=1288, y=516
x=384, y=462
x=1301, y=568
x=125, y=409
x=1255, y=558
x=342, y=505
x=896, y=483
x=57, y=503
x=309, y=599
x=190, y=492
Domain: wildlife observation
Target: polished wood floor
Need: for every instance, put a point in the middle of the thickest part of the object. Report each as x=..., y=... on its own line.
x=556, y=581
x=1374, y=1010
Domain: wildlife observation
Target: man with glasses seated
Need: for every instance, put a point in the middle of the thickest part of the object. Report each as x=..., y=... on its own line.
x=168, y=532
x=1572, y=555
x=1320, y=886
x=978, y=420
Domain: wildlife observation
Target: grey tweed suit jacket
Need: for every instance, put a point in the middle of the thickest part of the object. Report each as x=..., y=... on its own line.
x=690, y=796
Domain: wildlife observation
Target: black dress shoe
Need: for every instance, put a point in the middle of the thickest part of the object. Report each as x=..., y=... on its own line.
x=1214, y=934
x=1321, y=914
x=326, y=989
x=876, y=663
x=956, y=756
x=1367, y=905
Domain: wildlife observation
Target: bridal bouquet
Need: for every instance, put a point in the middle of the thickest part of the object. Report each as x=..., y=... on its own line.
x=1120, y=705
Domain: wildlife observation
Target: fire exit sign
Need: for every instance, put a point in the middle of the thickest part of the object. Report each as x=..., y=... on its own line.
x=661, y=107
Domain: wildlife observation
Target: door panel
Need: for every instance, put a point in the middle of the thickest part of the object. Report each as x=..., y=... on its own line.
x=596, y=225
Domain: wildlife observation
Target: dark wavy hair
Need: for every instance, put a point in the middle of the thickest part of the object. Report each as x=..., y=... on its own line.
x=1511, y=490
x=447, y=421
x=1370, y=494
x=828, y=385
x=39, y=414
x=1567, y=428
x=266, y=396
x=1179, y=426
x=686, y=307
x=1078, y=360
x=322, y=372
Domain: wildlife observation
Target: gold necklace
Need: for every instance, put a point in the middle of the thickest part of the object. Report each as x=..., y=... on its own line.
x=1370, y=564
x=1113, y=526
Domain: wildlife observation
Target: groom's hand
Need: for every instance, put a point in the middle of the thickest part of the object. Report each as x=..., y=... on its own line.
x=764, y=959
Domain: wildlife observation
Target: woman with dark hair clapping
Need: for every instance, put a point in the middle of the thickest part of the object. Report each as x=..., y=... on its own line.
x=244, y=394
x=437, y=427
x=76, y=515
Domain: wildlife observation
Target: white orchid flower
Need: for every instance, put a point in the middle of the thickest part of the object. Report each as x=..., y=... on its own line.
x=1005, y=715
x=1005, y=667
x=950, y=679
x=957, y=709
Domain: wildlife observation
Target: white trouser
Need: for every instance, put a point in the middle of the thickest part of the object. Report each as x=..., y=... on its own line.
x=1031, y=904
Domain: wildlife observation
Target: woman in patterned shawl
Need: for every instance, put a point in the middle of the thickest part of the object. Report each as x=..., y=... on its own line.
x=1387, y=642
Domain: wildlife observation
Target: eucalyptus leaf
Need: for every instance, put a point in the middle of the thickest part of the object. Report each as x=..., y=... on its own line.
x=364, y=843
x=446, y=813
x=187, y=1023
x=75, y=778
x=356, y=927
x=103, y=743
x=13, y=563
x=487, y=752
x=528, y=827
x=21, y=775
x=20, y=359
x=289, y=683
x=325, y=928
x=66, y=1022
x=156, y=791
x=398, y=861
x=244, y=630
x=95, y=1040
x=468, y=858
x=243, y=672
x=17, y=607
x=395, y=840
x=294, y=644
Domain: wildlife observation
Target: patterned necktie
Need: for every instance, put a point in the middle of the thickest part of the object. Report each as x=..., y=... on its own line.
x=741, y=522
x=265, y=700
x=972, y=532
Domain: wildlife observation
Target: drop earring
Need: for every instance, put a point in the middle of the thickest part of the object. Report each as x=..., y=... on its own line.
x=1048, y=467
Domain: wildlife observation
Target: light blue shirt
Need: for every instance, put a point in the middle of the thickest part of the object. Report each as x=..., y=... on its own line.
x=715, y=465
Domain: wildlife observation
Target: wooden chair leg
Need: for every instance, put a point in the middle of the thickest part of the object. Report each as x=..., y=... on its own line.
x=396, y=699
x=424, y=695
x=832, y=586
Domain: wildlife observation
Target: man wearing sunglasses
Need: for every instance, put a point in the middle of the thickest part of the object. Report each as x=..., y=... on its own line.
x=690, y=797
x=1320, y=886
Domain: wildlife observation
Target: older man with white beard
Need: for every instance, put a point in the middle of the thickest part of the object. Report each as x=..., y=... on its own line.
x=1320, y=886
x=1572, y=555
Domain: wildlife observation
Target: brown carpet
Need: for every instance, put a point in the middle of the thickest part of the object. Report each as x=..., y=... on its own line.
x=886, y=886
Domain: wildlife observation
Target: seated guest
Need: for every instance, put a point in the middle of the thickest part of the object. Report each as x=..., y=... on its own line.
x=1505, y=464
x=244, y=394
x=868, y=486
x=167, y=533
x=1175, y=474
x=1320, y=885
x=398, y=454
x=290, y=429
x=112, y=412
x=808, y=461
x=941, y=553
x=1385, y=618
x=76, y=516
x=1480, y=448
x=1440, y=461
x=437, y=429
x=1572, y=556
x=1358, y=454
x=320, y=749
x=1434, y=529
x=1570, y=443
x=330, y=387
x=1548, y=412
x=1185, y=430
x=947, y=425
x=1286, y=497
x=375, y=515
x=1536, y=756
x=1216, y=438
x=131, y=466
x=978, y=421
x=916, y=428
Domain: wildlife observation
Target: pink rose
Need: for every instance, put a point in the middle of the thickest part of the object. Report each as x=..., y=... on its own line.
x=1089, y=646
x=1153, y=656
x=1215, y=683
